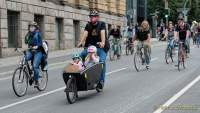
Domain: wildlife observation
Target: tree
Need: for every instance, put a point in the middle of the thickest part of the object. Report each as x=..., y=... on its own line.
x=193, y=14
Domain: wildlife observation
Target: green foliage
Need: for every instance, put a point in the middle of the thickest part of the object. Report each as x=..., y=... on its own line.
x=193, y=14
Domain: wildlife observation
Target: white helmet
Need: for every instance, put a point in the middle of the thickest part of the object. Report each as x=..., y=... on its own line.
x=92, y=49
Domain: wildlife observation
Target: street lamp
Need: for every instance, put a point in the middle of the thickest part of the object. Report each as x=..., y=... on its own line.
x=184, y=10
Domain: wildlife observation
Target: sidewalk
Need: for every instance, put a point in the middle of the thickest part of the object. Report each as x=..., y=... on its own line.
x=52, y=54
x=9, y=61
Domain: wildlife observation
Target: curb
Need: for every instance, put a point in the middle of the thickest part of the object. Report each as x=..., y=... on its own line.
x=10, y=61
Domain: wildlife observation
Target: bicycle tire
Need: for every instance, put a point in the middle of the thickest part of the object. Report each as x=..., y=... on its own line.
x=71, y=87
x=40, y=87
x=26, y=81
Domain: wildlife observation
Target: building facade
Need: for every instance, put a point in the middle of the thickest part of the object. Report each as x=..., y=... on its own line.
x=131, y=11
x=61, y=21
x=136, y=11
x=141, y=10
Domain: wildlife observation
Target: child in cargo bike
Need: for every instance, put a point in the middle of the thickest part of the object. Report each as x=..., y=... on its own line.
x=92, y=57
x=77, y=62
x=90, y=60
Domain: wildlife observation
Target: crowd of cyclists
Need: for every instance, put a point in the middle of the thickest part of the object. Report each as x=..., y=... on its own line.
x=97, y=43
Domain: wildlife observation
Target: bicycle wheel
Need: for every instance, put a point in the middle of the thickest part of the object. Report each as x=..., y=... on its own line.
x=20, y=82
x=111, y=55
x=127, y=50
x=131, y=49
x=167, y=55
x=181, y=62
x=138, y=61
x=43, y=80
x=71, y=91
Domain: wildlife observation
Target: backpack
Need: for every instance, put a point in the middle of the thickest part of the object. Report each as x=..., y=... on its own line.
x=107, y=43
x=45, y=47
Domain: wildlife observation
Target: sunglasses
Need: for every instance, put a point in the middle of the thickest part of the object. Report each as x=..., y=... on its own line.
x=92, y=16
x=75, y=58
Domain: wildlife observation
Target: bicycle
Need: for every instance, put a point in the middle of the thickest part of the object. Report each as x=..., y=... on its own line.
x=169, y=52
x=24, y=75
x=139, y=57
x=129, y=47
x=198, y=40
x=181, y=56
x=115, y=49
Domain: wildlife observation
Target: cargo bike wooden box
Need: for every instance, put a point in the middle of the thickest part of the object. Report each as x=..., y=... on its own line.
x=81, y=81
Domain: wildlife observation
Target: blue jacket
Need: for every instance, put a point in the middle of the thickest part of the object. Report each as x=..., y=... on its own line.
x=34, y=39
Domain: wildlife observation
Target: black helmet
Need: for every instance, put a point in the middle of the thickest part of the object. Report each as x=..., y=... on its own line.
x=94, y=13
x=181, y=16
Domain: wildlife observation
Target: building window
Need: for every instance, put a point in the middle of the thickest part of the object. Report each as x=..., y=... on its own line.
x=39, y=19
x=59, y=33
x=13, y=29
x=76, y=24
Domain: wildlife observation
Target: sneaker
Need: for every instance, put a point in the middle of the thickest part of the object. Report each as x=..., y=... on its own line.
x=100, y=86
x=118, y=56
x=31, y=81
x=36, y=84
x=65, y=90
x=147, y=66
x=143, y=61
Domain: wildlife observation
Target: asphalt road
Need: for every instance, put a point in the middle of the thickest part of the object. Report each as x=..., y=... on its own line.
x=126, y=91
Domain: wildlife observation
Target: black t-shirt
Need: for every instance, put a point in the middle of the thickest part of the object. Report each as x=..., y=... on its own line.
x=198, y=29
x=182, y=31
x=94, y=33
x=115, y=33
x=142, y=35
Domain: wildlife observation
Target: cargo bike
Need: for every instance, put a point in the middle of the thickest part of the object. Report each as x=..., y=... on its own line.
x=85, y=80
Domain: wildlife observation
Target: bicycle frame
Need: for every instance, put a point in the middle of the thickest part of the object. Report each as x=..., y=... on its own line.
x=181, y=52
x=115, y=45
x=24, y=65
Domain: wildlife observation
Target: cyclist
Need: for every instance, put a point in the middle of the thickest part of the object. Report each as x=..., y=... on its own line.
x=130, y=33
x=198, y=34
x=115, y=32
x=193, y=31
x=169, y=35
x=182, y=32
x=144, y=37
x=95, y=34
x=34, y=53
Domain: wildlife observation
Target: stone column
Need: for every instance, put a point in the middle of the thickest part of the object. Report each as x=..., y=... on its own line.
x=69, y=39
x=3, y=27
x=50, y=31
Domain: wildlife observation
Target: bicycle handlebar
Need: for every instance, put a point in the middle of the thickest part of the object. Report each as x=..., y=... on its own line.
x=19, y=51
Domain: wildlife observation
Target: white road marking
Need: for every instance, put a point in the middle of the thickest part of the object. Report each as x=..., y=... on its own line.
x=47, y=93
x=118, y=70
x=177, y=95
x=4, y=73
